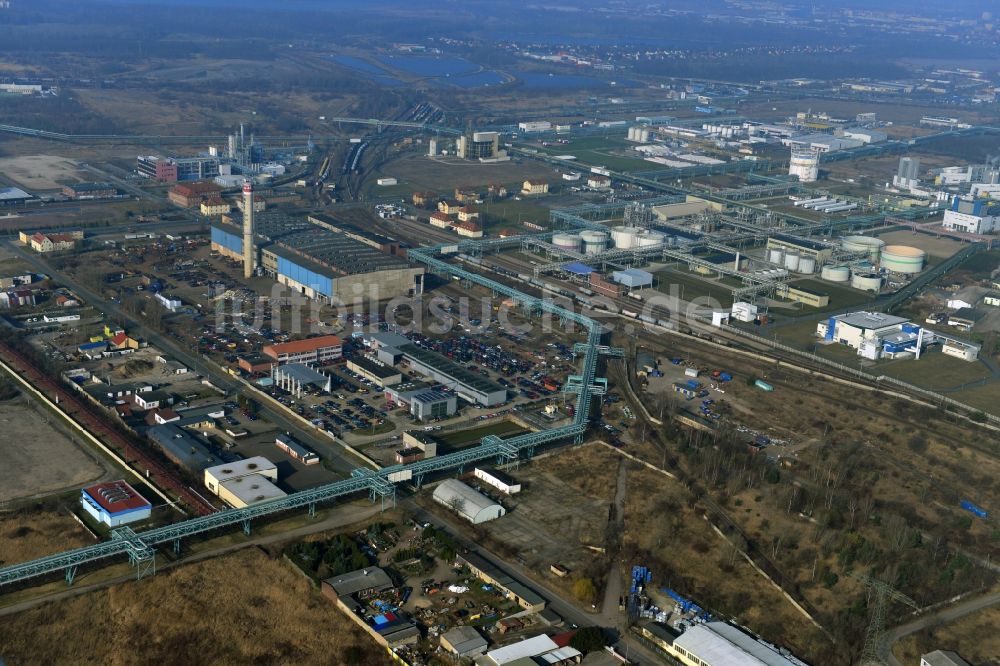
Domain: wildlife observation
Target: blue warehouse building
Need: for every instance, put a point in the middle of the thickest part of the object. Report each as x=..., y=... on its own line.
x=317, y=262
x=115, y=503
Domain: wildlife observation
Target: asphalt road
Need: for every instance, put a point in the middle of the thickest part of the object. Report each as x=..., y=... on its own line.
x=323, y=446
x=943, y=616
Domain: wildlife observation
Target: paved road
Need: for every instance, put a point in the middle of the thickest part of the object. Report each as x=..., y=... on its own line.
x=943, y=616
x=344, y=515
x=281, y=420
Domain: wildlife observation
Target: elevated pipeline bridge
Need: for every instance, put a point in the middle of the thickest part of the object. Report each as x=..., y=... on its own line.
x=380, y=484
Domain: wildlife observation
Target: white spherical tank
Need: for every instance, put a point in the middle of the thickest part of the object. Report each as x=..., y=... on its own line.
x=866, y=281
x=594, y=242
x=651, y=238
x=807, y=265
x=805, y=165
x=835, y=273
x=625, y=238
x=792, y=261
x=873, y=246
x=775, y=255
x=567, y=242
x=903, y=259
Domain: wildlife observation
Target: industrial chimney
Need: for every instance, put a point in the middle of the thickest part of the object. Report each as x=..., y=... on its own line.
x=248, y=244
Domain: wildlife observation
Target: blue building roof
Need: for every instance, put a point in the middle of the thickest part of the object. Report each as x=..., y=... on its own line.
x=577, y=268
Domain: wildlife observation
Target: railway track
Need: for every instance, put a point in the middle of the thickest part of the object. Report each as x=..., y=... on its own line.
x=98, y=426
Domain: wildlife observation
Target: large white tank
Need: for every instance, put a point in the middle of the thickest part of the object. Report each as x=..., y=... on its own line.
x=866, y=281
x=835, y=273
x=807, y=265
x=651, y=238
x=567, y=242
x=903, y=259
x=594, y=242
x=625, y=238
x=805, y=165
x=873, y=246
x=776, y=255
x=792, y=261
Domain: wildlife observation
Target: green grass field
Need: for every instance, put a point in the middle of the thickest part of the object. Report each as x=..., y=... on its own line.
x=934, y=371
x=509, y=212
x=600, y=151
x=462, y=438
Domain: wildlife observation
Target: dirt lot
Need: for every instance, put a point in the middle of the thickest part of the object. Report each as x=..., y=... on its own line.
x=975, y=638
x=40, y=172
x=210, y=612
x=37, y=457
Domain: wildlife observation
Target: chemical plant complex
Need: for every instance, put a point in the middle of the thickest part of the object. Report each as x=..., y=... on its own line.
x=665, y=370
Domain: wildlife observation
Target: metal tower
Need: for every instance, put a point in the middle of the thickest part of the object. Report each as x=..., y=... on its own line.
x=883, y=593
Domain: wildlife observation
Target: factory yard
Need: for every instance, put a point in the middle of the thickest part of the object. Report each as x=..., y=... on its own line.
x=38, y=457
x=243, y=608
x=40, y=172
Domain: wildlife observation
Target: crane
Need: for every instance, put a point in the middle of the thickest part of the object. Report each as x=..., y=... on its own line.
x=884, y=593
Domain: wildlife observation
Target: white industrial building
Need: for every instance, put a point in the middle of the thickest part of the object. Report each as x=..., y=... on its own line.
x=538, y=649
x=466, y=502
x=866, y=135
x=499, y=480
x=244, y=482
x=942, y=658
x=821, y=143
x=721, y=644
x=973, y=216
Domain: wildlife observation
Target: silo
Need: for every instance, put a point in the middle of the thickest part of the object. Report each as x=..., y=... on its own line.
x=594, y=242
x=792, y=261
x=776, y=255
x=866, y=281
x=903, y=259
x=569, y=242
x=807, y=265
x=873, y=246
x=835, y=273
x=625, y=238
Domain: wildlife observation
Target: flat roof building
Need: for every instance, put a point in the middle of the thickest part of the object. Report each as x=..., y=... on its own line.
x=244, y=482
x=321, y=349
x=115, y=503
x=942, y=658
x=513, y=589
x=499, y=480
x=464, y=642
x=382, y=374
x=182, y=447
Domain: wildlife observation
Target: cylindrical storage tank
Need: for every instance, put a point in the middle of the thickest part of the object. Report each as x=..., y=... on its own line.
x=873, y=246
x=903, y=259
x=625, y=238
x=594, y=242
x=866, y=281
x=775, y=255
x=567, y=242
x=792, y=261
x=835, y=273
x=651, y=238
x=807, y=265
x=805, y=165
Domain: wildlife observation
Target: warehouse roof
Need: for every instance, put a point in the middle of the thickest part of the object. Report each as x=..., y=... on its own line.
x=238, y=468
x=182, y=446
x=426, y=397
x=721, y=644
x=252, y=488
x=117, y=497
x=334, y=252
x=353, y=582
x=943, y=658
x=302, y=346
x=464, y=639
x=462, y=498
x=870, y=320
x=502, y=578
x=13, y=194
x=380, y=370
x=302, y=373
x=531, y=647
x=578, y=268
x=800, y=242
x=502, y=477
x=462, y=375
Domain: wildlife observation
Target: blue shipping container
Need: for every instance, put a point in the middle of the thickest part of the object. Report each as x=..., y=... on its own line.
x=972, y=508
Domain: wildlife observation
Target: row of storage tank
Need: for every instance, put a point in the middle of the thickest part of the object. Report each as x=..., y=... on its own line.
x=621, y=238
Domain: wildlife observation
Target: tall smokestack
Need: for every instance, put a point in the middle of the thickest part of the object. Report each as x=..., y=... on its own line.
x=248, y=244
